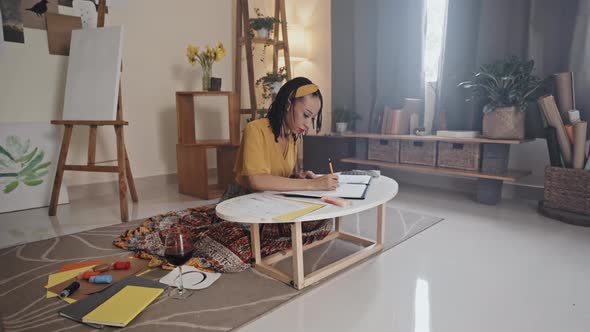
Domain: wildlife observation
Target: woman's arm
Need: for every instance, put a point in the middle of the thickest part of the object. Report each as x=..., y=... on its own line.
x=267, y=182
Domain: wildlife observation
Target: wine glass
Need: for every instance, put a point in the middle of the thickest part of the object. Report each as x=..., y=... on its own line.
x=178, y=250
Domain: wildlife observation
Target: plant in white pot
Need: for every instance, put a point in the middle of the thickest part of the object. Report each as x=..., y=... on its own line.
x=263, y=25
x=271, y=82
x=343, y=118
x=505, y=87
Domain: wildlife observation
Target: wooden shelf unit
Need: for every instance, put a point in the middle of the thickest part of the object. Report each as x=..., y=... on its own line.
x=510, y=175
x=432, y=138
x=191, y=154
x=494, y=163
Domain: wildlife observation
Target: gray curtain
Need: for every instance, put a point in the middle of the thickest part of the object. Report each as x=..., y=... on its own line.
x=387, y=41
x=553, y=33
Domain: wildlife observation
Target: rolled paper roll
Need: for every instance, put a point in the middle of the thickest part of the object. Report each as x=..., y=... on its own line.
x=549, y=108
x=579, y=144
x=574, y=116
x=569, y=130
x=104, y=279
x=564, y=84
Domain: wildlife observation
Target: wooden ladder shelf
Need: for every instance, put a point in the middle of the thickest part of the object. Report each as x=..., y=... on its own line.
x=243, y=38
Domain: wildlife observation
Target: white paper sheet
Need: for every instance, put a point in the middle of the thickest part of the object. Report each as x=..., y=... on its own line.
x=364, y=179
x=264, y=206
x=192, y=278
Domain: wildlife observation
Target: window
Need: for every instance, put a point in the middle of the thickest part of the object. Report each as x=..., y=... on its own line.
x=436, y=11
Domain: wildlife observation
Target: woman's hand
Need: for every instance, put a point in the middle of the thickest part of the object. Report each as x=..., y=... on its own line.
x=307, y=175
x=326, y=182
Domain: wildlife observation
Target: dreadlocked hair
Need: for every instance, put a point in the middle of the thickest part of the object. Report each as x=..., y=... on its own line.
x=285, y=100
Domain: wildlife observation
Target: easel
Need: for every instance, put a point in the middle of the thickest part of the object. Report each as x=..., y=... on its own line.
x=122, y=168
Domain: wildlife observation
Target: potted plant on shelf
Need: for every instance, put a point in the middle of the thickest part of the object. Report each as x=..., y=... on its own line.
x=343, y=117
x=263, y=25
x=272, y=82
x=505, y=87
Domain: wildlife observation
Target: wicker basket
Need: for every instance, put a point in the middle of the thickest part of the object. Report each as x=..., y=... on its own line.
x=567, y=189
x=384, y=150
x=418, y=153
x=459, y=155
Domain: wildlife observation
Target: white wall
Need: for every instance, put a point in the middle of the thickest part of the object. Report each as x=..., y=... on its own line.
x=154, y=67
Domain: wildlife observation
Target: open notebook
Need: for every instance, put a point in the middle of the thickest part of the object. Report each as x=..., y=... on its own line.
x=350, y=187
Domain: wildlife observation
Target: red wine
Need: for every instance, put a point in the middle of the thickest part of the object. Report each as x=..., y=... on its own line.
x=177, y=259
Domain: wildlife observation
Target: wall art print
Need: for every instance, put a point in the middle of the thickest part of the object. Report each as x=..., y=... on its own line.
x=28, y=158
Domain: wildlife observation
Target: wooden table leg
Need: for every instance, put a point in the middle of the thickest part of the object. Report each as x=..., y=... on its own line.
x=59, y=173
x=337, y=224
x=297, y=246
x=255, y=243
x=121, y=170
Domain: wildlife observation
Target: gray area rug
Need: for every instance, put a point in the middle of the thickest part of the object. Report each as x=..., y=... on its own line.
x=235, y=299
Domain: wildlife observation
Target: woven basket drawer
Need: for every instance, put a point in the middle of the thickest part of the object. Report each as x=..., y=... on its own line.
x=418, y=153
x=567, y=189
x=384, y=150
x=459, y=155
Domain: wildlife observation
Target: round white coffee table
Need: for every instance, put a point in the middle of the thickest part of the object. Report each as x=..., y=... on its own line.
x=380, y=191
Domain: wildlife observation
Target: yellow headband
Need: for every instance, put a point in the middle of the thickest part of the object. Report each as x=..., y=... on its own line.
x=305, y=90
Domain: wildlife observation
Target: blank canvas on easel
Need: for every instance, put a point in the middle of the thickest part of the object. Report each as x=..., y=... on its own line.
x=94, y=70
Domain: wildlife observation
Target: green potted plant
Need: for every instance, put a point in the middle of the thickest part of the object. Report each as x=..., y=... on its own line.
x=261, y=113
x=271, y=82
x=263, y=25
x=343, y=117
x=505, y=87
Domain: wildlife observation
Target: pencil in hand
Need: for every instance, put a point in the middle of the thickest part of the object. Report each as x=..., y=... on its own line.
x=330, y=164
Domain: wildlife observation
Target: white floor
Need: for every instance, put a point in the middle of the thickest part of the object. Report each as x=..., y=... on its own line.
x=502, y=268
x=484, y=268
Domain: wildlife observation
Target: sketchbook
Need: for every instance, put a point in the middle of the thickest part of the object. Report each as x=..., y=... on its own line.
x=344, y=190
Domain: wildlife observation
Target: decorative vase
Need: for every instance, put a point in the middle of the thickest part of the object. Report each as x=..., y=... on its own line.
x=504, y=123
x=263, y=33
x=206, y=78
x=341, y=127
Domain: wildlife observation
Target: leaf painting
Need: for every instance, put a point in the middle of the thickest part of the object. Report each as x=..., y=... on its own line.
x=21, y=164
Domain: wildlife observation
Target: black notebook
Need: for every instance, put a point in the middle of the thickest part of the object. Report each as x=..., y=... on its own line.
x=350, y=187
x=81, y=308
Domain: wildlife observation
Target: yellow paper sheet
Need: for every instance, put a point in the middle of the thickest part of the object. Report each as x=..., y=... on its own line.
x=296, y=214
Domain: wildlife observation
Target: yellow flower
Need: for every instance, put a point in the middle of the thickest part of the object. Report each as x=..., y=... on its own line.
x=206, y=56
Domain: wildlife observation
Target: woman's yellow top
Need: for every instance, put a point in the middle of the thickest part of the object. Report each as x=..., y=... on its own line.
x=259, y=153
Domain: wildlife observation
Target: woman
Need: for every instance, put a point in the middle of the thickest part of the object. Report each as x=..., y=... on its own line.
x=266, y=160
